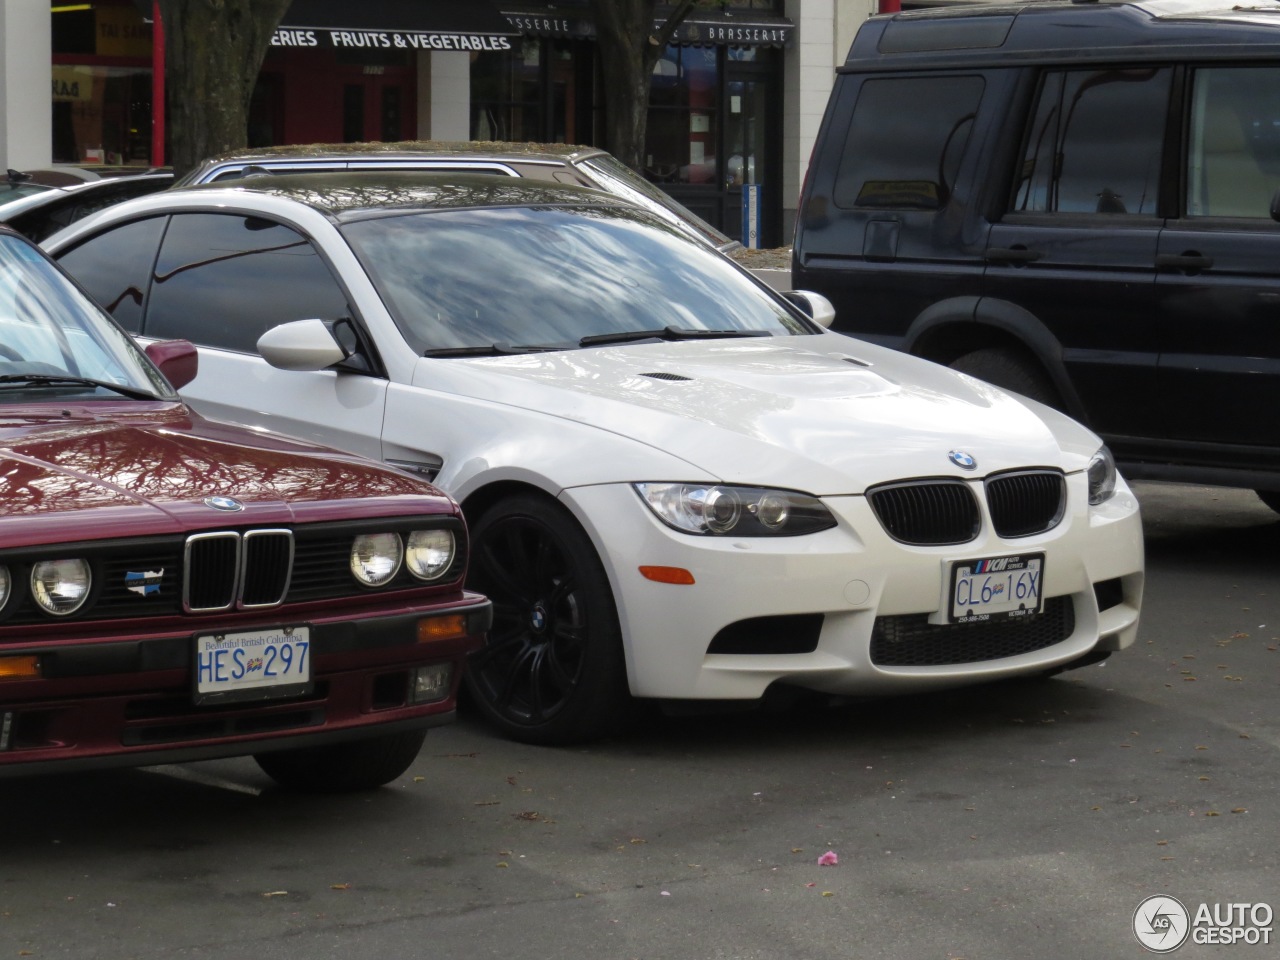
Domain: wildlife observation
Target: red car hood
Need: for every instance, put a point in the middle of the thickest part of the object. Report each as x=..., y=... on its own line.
x=112, y=469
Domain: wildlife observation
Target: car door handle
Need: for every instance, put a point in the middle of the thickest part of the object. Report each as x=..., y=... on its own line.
x=1011, y=254
x=1183, y=261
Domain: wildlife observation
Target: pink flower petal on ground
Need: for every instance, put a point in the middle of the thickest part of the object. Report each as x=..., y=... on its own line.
x=828, y=859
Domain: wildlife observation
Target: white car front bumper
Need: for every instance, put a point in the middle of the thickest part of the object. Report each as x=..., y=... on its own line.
x=827, y=590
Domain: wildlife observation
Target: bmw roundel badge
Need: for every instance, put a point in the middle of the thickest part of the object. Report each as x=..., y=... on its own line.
x=223, y=503
x=962, y=460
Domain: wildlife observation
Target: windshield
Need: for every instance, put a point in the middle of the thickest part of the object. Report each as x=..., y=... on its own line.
x=615, y=176
x=55, y=344
x=550, y=276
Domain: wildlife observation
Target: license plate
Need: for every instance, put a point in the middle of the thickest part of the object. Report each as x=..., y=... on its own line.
x=253, y=665
x=997, y=588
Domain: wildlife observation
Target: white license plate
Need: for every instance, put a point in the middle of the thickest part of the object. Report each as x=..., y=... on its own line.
x=253, y=665
x=997, y=588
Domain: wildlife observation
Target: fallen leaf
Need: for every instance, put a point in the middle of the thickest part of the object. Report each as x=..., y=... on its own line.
x=339, y=886
x=1212, y=813
x=638, y=840
x=1239, y=810
x=277, y=893
x=418, y=779
x=827, y=893
x=526, y=815
x=502, y=864
x=1162, y=843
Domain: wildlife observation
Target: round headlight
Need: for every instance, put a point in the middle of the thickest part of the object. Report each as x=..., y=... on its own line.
x=375, y=558
x=429, y=553
x=721, y=509
x=60, y=586
x=772, y=511
x=4, y=586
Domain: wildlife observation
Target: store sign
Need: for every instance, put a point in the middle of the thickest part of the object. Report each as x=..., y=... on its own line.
x=307, y=37
x=733, y=34
x=71, y=84
x=121, y=32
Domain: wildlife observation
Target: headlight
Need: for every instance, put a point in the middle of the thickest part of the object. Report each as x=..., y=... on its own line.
x=375, y=558
x=735, y=511
x=60, y=586
x=4, y=586
x=429, y=553
x=1102, y=477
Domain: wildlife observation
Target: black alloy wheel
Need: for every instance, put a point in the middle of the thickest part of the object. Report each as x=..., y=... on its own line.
x=552, y=670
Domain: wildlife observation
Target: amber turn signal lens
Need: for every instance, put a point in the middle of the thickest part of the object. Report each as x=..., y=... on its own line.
x=19, y=668
x=442, y=628
x=677, y=575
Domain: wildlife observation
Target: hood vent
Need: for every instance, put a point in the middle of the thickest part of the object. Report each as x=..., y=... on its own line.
x=673, y=377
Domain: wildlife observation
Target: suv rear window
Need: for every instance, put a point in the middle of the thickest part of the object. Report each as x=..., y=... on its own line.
x=1094, y=145
x=906, y=157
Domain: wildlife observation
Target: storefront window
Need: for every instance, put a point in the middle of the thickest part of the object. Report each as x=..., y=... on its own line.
x=101, y=85
x=683, y=117
x=529, y=93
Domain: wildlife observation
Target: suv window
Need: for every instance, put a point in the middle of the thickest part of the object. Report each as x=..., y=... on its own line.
x=907, y=166
x=1233, y=155
x=115, y=267
x=1094, y=144
x=223, y=280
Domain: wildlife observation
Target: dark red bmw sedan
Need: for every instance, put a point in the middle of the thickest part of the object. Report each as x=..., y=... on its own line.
x=174, y=589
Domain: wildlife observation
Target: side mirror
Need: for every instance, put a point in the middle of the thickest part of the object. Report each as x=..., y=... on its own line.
x=178, y=360
x=301, y=345
x=814, y=306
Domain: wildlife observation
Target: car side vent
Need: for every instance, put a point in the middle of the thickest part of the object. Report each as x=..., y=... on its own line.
x=927, y=512
x=227, y=569
x=673, y=377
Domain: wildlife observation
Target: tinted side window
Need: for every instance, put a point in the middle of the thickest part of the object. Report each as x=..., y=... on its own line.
x=223, y=280
x=1094, y=144
x=1233, y=155
x=115, y=267
x=906, y=140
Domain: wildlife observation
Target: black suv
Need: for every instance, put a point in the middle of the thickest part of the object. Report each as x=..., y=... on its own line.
x=1076, y=201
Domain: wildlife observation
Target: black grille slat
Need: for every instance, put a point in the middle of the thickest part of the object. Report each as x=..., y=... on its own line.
x=912, y=641
x=927, y=512
x=1026, y=503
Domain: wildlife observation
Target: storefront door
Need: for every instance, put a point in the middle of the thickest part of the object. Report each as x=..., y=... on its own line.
x=378, y=106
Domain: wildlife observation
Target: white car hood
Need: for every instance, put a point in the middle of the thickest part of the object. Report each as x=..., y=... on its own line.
x=826, y=414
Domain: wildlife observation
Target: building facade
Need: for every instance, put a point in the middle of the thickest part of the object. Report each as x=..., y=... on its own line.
x=735, y=101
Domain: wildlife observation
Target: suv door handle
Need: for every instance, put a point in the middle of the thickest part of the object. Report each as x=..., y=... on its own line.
x=1011, y=254
x=1183, y=261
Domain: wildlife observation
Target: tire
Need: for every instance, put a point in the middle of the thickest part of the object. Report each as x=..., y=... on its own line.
x=1271, y=498
x=552, y=670
x=343, y=767
x=1010, y=369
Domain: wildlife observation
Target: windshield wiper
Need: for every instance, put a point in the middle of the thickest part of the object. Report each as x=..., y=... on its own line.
x=667, y=333
x=56, y=379
x=495, y=350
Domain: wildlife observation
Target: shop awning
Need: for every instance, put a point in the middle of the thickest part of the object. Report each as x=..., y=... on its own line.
x=394, y=25
x=705, y=27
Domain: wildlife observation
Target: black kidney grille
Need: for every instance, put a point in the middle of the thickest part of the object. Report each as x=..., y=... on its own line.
x=911, y=641
x=212, y=572
x=228, y=569
x=268, y=561
x=927, y=512
x=1026, y=503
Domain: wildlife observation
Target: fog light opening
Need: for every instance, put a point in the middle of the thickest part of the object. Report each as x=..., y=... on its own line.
x=676, y=575
x=432, y=683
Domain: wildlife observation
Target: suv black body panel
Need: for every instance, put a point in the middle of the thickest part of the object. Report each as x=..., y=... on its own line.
x=1075, y=201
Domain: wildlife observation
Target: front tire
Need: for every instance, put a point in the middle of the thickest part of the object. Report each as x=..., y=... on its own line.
x=1010, y=369
x=343, y=767
x=552, y=669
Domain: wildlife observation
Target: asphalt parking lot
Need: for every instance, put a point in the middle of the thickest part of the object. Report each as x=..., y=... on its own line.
x=1025, y=820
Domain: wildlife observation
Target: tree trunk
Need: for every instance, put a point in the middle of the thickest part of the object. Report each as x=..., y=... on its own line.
x=213, y=53
x=629, y=48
